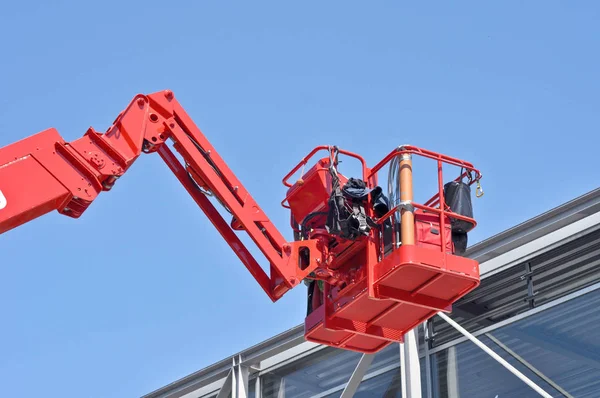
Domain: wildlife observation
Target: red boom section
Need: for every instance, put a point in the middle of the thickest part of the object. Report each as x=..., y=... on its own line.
x=43, y=173
x=383, y=273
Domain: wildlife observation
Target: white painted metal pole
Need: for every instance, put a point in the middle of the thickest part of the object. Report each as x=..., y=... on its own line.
x=497, y=357
x=402, y=371
x=528, y=365
x=358, y=375
x=411, y=375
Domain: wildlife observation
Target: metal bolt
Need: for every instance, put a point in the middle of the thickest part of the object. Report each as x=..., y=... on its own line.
x=169, y=94
x=140, y=101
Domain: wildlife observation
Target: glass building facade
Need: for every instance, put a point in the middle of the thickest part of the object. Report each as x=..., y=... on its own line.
x=538, y=307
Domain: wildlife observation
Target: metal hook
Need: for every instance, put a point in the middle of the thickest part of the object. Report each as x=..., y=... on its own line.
x=478, y=191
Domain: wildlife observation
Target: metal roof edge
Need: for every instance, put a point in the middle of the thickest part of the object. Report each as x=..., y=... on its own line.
x=531, y=229
x=213, y=372
x=523, y=233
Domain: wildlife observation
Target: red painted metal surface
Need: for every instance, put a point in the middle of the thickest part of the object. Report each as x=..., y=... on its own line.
x=392, y=293
x=371, y=297
x=43, y=173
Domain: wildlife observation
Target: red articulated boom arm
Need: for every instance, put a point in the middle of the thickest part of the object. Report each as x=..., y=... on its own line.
x=376, y=266
x=43, y=173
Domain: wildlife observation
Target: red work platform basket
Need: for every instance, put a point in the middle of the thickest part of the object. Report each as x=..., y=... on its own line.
x=408, y=287
x=393, y=290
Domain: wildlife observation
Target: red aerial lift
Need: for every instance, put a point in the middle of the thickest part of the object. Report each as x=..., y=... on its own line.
x=375, y=264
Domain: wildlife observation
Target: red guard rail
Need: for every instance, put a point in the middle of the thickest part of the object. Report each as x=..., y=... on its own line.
x=431, y=205
x=330, y=149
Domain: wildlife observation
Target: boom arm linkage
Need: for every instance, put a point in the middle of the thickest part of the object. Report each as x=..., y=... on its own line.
x=43, y=173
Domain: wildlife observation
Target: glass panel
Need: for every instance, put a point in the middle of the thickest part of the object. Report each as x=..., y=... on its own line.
x=383, y=378
x=387, y=385
x=252, y=388
x=424, y=386
x=389, y=356
x=557, y=348
x=310, y=376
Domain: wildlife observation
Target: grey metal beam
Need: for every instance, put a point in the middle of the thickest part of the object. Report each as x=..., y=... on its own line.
x=536, y=227
x=274, y=346
x=226, y=388
x=493, y=248
x=410, y=366
x=368, y=376
x=452, y=371
x=527, y=249
x=357, y=376
x=469, y=310
x=282, y=359
x=528, y=365
x=518, y=317
x=495, y=356
x=257, y=387
x=239, y=385
x=428, y=369
x=194, y=381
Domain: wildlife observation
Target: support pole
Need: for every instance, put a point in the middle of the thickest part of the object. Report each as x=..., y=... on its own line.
x=407, y=226
x=497, y=357
x=409, y=351
x=428, y=381
x=357, y=375
x=410, y=366
x=257, y=388
x=241, y=378
x=227, y=386
x=452, y=372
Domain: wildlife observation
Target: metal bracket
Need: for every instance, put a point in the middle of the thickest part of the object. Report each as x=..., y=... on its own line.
x=236, y=382
x=406, y=205
x=528, y=276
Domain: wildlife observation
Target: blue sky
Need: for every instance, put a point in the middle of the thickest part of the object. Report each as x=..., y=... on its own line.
x=142, y=290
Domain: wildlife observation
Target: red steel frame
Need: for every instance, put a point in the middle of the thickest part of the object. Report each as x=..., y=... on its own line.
x=43, y=173
x=397, y=292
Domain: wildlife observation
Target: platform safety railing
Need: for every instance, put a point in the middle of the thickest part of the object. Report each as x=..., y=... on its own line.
x=436, y=204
